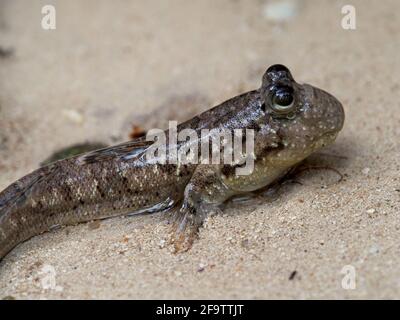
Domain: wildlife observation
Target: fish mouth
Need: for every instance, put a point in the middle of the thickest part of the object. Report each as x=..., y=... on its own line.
x=330, y=135
x=325, y=139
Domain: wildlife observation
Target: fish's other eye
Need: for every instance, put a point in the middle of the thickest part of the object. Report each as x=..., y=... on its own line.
x=282, y=99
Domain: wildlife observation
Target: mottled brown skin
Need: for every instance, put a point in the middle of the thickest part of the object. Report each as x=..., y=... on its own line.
x=119, y=181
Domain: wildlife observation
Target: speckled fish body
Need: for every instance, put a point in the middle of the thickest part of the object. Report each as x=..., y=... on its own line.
x=290, y=121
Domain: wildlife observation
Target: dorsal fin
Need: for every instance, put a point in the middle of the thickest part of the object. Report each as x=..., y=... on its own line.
x=126, y=150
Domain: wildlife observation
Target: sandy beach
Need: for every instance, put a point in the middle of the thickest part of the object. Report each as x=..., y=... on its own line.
x=110, y=65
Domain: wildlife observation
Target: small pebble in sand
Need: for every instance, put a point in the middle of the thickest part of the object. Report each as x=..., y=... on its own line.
x=73, y=116
x=280, y=11
x=125, y=239
x=178, y=273
x=293, y=275
x=371, y=211
x=245, y=244
x=162, y=243
x=374, y=249
x=201, y=267
x=366, y=171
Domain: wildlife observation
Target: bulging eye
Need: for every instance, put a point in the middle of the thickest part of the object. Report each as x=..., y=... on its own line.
x=282, y=100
